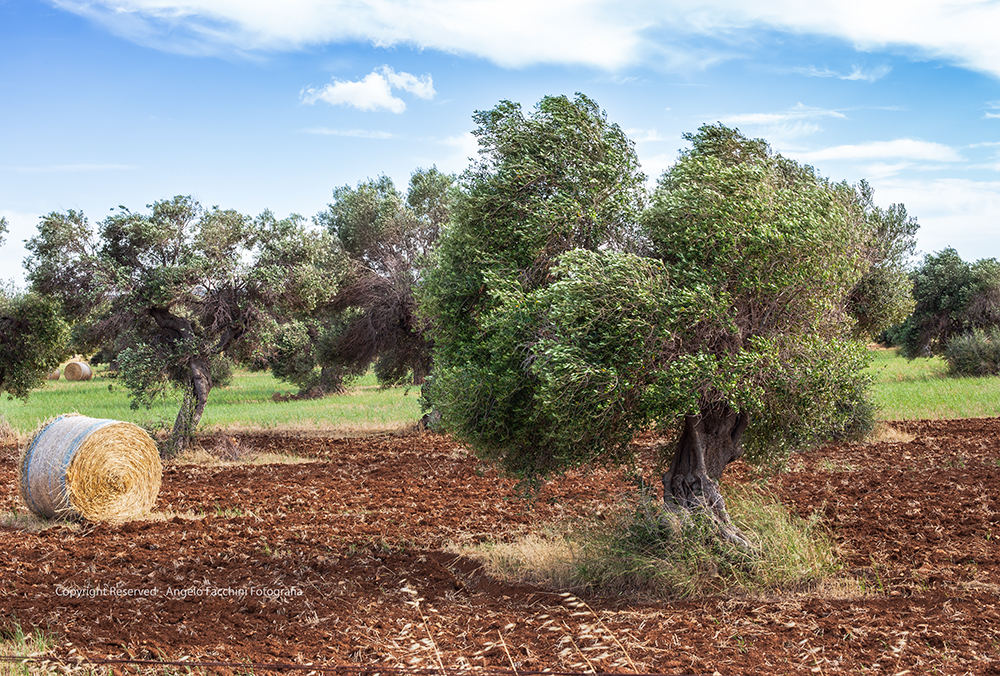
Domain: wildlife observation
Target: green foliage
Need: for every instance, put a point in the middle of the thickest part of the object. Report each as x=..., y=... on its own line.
x=781, y=251
x=172, y=293
x=952, y=297
x=33, y=339
x=369, y=317
x=554, y=345
x=975, y=354
x=559, y=179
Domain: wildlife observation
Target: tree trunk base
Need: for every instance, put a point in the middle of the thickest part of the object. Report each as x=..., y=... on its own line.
x=709, y=442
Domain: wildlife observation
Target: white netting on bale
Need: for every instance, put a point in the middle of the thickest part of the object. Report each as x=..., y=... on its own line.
x=100, y=470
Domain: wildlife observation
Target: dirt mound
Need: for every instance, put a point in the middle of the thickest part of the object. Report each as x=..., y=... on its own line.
x=343, y=561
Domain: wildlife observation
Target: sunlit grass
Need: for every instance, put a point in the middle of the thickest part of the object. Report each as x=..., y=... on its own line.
x=922, y=389
x=246, y=404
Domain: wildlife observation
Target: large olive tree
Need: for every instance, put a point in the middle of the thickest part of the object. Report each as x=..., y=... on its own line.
x=561, y=328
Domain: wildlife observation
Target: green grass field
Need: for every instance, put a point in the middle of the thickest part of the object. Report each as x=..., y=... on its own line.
x=904, y=390
x=922, y=389
x=246, y=404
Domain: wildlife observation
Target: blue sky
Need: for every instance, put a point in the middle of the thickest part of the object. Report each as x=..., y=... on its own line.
x=257, y=105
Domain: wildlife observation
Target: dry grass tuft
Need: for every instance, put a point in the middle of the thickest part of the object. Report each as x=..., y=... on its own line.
x=8, y=435
x=641, y=550
x=31, y=523
x=197, y=455
x=886, y=433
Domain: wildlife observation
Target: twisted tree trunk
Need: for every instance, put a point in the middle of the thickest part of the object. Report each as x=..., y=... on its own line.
x=710, y=441
x=193, y=406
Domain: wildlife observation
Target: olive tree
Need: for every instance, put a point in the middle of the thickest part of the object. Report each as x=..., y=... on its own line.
x=557, y=340
x=32, y=337
x=953, y=298
x=386, y=238
x=173, y=293
x=558, y=179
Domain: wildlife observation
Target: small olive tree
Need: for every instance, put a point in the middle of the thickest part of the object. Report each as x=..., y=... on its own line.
x=173, y=294
x=953, y=298
x=33, y=337
x=387, y=238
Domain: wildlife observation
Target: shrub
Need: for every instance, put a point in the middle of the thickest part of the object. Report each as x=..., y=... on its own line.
x=975, y=354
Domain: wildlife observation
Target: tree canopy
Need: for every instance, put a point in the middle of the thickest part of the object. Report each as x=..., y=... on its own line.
x=556, y=339
x=953, y=298
x=173, y=294
x=387, y=238
x=32, y=337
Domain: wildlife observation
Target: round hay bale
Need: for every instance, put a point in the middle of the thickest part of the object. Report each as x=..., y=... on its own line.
x=99, y=470
x=54, y=375
x=77, y=370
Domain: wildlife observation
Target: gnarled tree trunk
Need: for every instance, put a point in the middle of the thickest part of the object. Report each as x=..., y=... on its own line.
x=193, y=406
x=710, y=441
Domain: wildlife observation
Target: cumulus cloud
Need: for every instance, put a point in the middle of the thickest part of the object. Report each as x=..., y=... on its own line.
x=373, y=92
x=601, y=33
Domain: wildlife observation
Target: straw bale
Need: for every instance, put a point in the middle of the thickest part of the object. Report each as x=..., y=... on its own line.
x=78, y=370
x=99, y=470
x=54, y=375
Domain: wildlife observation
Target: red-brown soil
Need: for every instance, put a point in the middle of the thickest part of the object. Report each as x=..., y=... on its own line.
x=344, y=562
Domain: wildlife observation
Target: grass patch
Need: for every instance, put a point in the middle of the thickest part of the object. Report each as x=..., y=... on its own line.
x=30, y=522
x=922, y=389
x=640, y=549
x=15, y=642
x=199, y=456
x=245, y=405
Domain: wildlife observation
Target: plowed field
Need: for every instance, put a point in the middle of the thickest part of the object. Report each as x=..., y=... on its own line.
x=344, y=561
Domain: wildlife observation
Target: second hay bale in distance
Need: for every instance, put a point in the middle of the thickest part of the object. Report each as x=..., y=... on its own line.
x=77, y=370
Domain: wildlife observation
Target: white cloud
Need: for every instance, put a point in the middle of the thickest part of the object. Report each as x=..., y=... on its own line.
x=466, y=150
x=857, y=73
x=782, y=128
x=354, y=133
x=654, y=166
x=373, y=92
x=798, y=112
x=600, y=33
x=901, y=149
x=649, y=135
x=960, y=213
